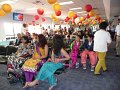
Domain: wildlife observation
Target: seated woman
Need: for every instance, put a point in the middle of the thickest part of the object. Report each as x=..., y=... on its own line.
x=75, y=47
x=31, y=65
x=24, y=50
x=48, y=69
x=87, y=48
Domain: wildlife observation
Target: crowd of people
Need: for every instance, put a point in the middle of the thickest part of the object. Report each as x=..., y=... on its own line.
x=41, y=67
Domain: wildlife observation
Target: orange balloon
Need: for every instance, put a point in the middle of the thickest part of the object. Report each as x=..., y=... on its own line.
x=56, y=7
x=7, y=8
x=2, y=13
x=96, y=17
x=91, y=13
x=55, y=20
x=51, y=1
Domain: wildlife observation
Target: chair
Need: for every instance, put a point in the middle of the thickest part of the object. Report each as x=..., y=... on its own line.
x=3, y=55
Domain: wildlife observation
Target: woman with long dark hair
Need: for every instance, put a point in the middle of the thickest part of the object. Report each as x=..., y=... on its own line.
x=31, y=65
x=48, y=69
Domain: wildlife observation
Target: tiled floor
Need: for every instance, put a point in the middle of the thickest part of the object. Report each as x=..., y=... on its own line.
x=77, y=79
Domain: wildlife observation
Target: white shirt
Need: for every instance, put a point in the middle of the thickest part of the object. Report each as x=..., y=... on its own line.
x=101, y=39
x=117, y=30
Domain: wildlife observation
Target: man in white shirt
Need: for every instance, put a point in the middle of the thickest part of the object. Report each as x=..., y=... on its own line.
x=101, y=40
x=117, y=31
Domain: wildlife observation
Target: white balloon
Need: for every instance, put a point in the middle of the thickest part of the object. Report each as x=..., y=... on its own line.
x=77, y=20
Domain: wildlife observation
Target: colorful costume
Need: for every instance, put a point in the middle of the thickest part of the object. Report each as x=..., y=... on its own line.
x=87, y=48
x=30, y=66
x=47, y=71
x=75, y=50
x=20, y=57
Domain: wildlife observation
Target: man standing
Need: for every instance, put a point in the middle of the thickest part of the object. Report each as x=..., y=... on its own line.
x=117, y=30
x=101, y=40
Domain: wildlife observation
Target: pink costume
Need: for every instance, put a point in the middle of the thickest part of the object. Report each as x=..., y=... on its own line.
x=75, y=49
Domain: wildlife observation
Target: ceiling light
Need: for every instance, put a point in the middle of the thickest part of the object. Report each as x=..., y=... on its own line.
x=7, y=2
x=31, y=8
x=65, y=3
x=82, y=12
x=75, y=8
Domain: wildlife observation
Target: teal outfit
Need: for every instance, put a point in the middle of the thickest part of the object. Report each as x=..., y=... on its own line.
x=47, y=72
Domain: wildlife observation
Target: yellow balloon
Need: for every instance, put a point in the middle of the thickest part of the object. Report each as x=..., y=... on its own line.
x=55, y=20
x=56, y=7
x=70, y=14
x=82, y=18
x=7, y=8
x=51, y=1
x=2, y=13
x=53, y=16
x=91, y=13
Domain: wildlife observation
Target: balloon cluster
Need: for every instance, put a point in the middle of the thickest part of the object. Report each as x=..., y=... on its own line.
x=56, y=7
x=84, y=20
x=5, y=8
x=40, y=11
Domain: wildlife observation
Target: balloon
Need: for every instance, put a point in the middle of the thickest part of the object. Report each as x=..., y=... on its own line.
x=52, y=16
x=56, y=7
x=94, y=23
x=20, y=16
x=77, y=20
x=75, y=16
x=89, y=20
x=70, y=14
x=40, y=11
x=91, y=13
x=43, y=19
x=51, y=1
x=88, y=7
x=67, y=18
x=36, y=17
x=2, y=13
x=55, y=20
x=7, y=8
x=96, y=17
x=58, y=13
x=87, y=16
x=82, y=18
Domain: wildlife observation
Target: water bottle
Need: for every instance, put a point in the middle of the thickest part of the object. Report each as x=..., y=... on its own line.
x=77, y=64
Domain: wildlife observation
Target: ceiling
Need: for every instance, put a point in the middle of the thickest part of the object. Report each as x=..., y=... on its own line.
x=114, y=8
x=22, y=6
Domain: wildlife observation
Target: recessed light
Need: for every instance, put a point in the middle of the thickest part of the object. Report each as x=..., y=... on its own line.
x=65, y=3
x=82, y=12
x=7, y=2
x=75, y=8
x=31, y=8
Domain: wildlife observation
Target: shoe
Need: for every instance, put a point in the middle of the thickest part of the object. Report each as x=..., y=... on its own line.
x=51, y=87
x=105, y=70
x=84, y=68
x=117, y=55
x=97, y=74
x=92, y=69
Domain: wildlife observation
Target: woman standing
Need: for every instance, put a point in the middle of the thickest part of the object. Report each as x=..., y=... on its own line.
x=48, y=69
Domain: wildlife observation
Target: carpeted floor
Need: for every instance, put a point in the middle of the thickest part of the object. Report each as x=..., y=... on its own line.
x=77, y=79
